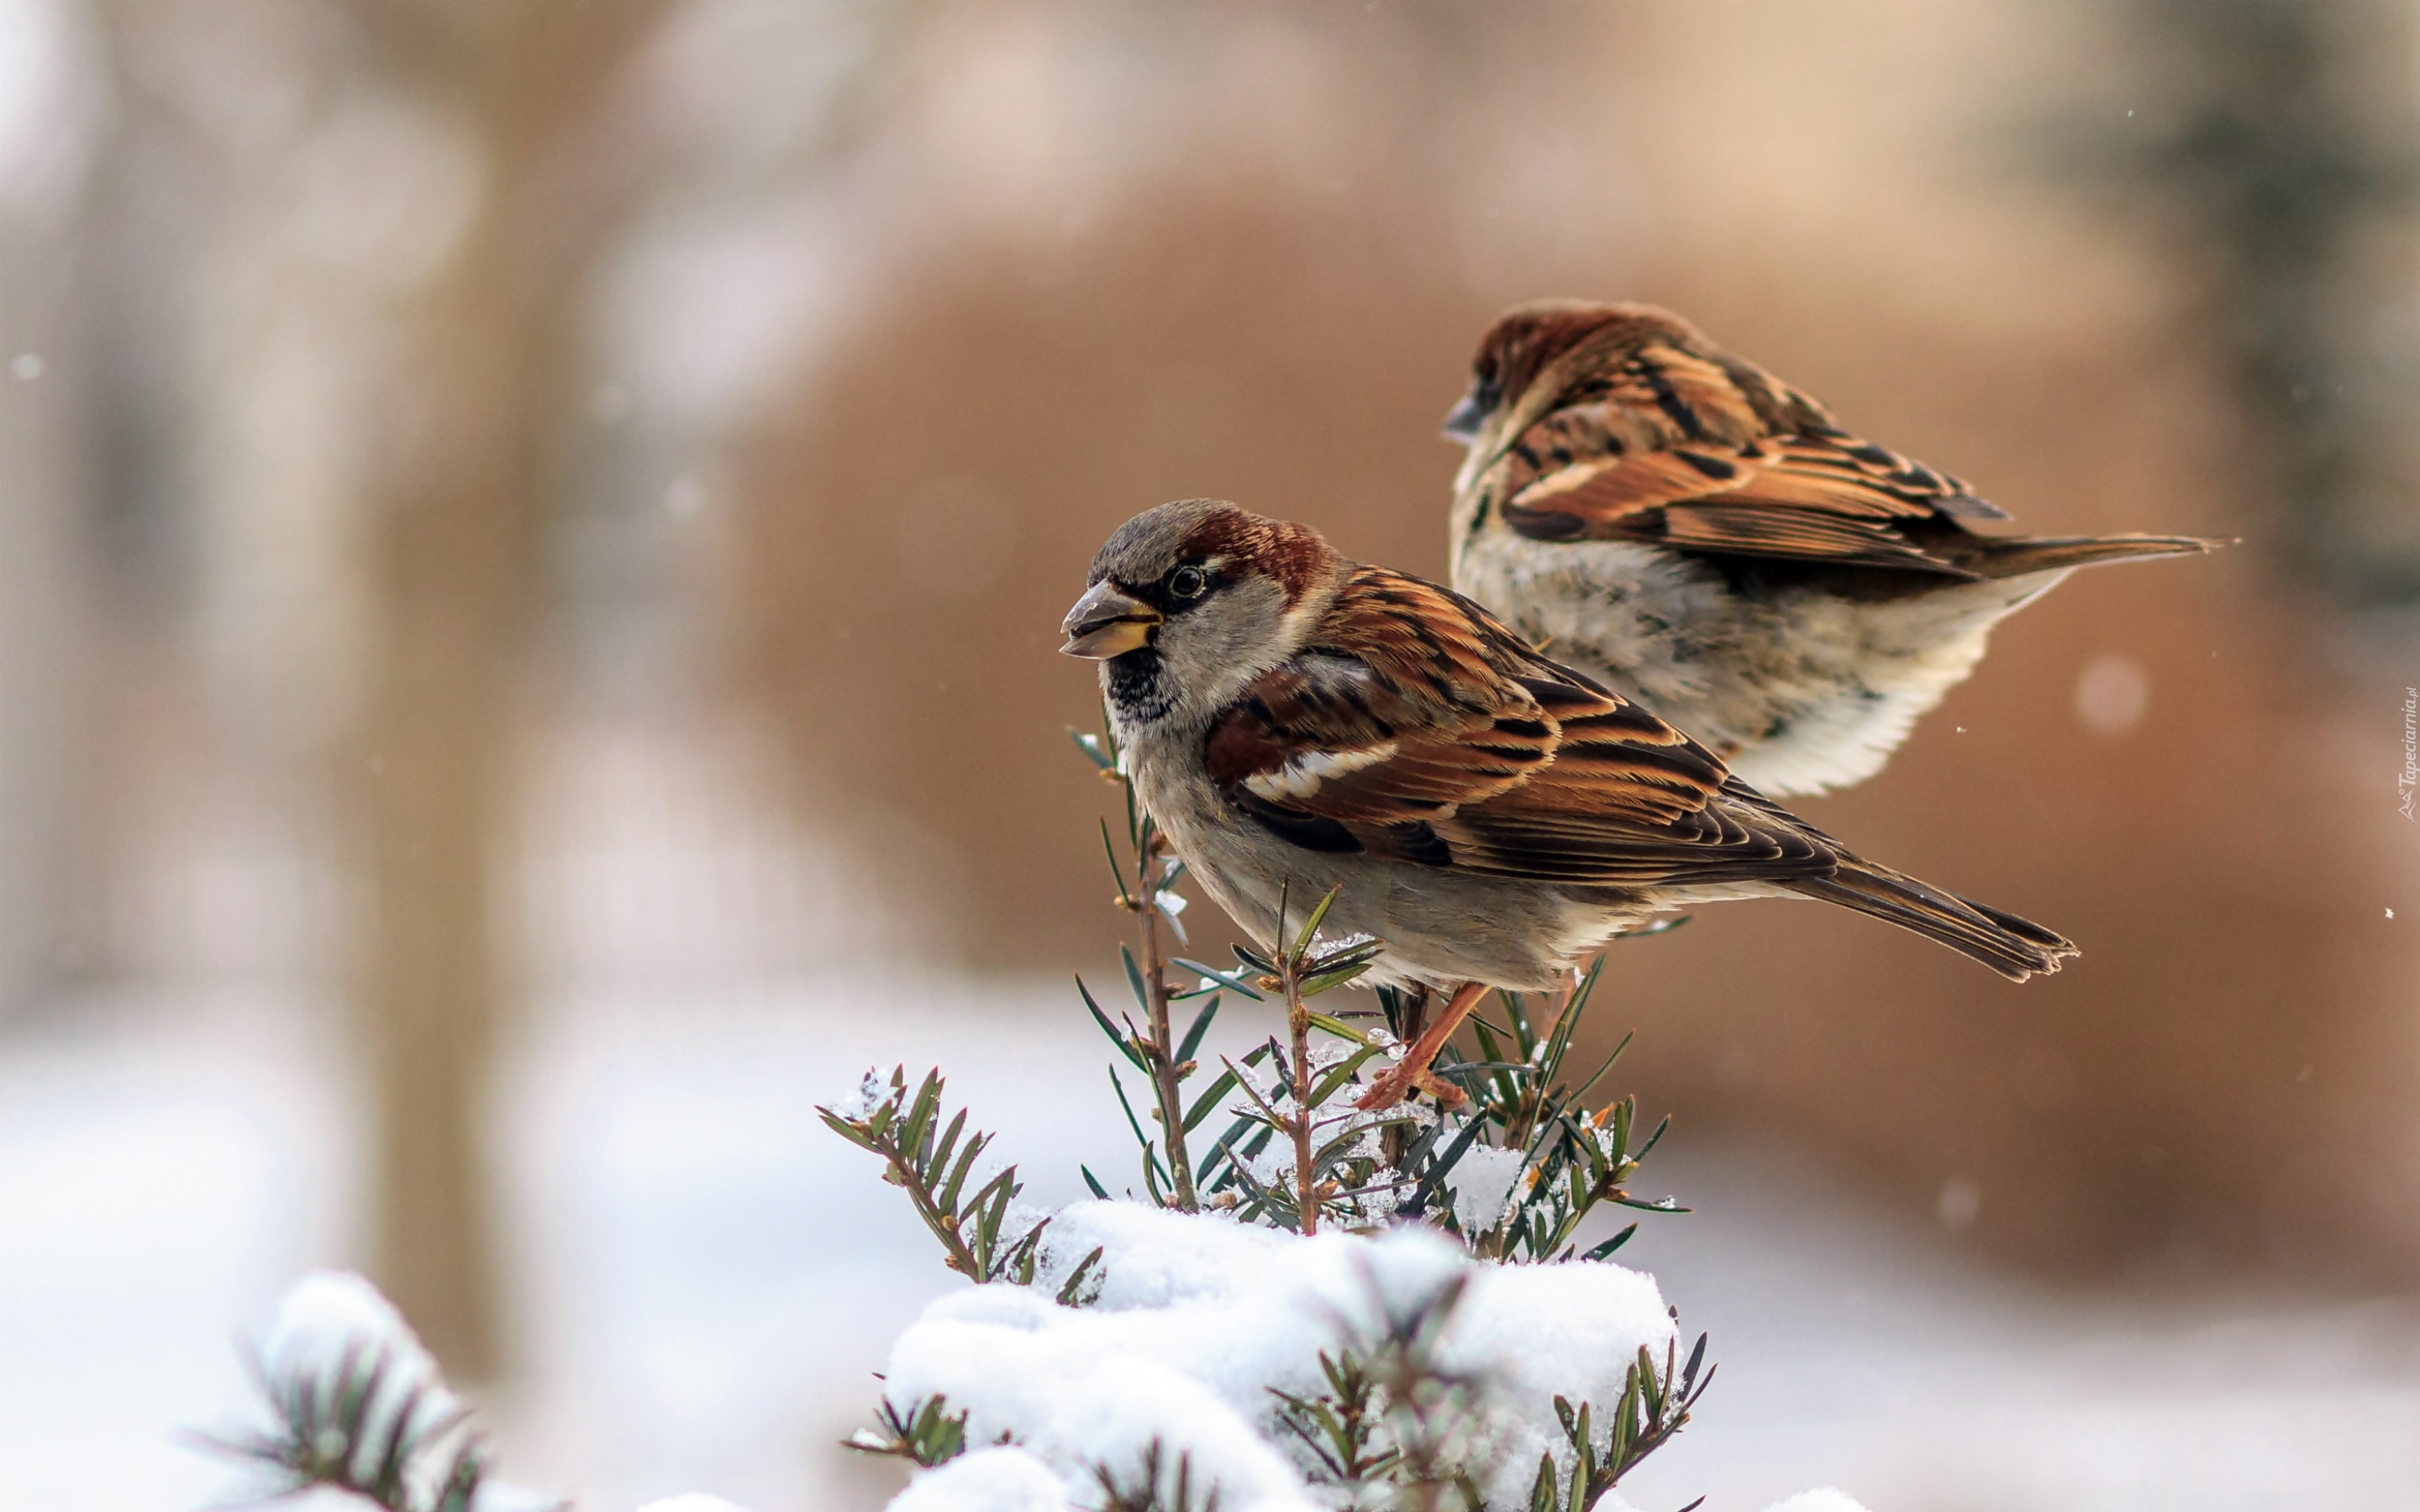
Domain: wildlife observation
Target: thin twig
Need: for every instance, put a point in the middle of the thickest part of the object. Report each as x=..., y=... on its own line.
x=1298, y=1126
x=1306, y=1178
x=1167, y=1077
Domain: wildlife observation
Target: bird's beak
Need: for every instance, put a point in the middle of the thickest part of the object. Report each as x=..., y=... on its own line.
x=1108, y=622
x=1463, y=421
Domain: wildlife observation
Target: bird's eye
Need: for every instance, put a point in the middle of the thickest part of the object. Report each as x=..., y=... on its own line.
x=1188, y=582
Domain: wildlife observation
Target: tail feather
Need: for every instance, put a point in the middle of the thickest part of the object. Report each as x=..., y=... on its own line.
x=2015, y=947
x=2050, y=938
x=2008, y=557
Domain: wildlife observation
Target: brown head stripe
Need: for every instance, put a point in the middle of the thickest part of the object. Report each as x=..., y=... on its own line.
x=1528, y=338
x=1295, y=555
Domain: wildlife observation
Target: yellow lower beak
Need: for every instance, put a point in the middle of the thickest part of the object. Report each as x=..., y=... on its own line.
x=1107, y=622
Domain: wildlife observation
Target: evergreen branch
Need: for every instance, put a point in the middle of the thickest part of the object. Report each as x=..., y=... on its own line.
x=1125, y=900
x=1152, y=1168
x=926, y=1435
x=1126, y=1040
x=1152, y=1491
x=1234, y=981
x=1154, y=1049
x=1074, y=1291
x=1097, y=751
x=934, y=1172
x=381, y=1426
x=1656, y=1403
x=1201, y=1026
x=1208, y=1100
x=1342, y=1426
x=1297, y=968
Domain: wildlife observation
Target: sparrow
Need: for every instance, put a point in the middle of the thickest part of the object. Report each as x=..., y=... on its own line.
x=1705, y=539
x=1297, y=721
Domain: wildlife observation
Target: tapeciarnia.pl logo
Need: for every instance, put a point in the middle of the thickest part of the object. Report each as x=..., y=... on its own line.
x=2407, y=782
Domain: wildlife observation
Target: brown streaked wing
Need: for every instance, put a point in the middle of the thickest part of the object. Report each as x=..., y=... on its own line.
x=1805, y=496
x=1406, y=671
x=1698, y=400
x=1628, y=800
x=1460, y=746
x=1430, y=647
x=1749, y=528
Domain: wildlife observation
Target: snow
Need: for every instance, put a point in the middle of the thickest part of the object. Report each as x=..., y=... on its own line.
x=999, y=1479
x=334, y=1327
x=1827, y=1500
x=333, y=1323
x=686, y=1318
x=1571, y=1330
x=1198, y=1317
x=1078, y=1390
x=871, y=1093
x=1481, y=1183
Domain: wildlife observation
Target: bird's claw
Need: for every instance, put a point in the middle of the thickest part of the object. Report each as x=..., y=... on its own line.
x=1401, y=1080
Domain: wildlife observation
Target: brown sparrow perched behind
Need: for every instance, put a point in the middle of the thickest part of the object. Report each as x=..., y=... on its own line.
x=1701, y=536
x=1297, y=721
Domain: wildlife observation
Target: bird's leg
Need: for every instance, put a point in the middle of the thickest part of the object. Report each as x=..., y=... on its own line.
x=1398, y=1080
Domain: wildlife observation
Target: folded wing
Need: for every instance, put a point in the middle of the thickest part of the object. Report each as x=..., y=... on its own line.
x=1420, y=729
x=1708, y=453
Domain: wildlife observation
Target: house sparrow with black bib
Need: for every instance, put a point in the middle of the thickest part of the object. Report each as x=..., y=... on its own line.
x=1700, y=537
x=1298, y=721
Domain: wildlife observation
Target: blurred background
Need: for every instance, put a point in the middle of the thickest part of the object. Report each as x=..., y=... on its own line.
x=531, y=542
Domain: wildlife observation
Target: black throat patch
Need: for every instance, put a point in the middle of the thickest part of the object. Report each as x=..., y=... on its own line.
x=1137, y=685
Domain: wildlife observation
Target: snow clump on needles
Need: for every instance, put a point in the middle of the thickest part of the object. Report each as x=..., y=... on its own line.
x=1200, y=1320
